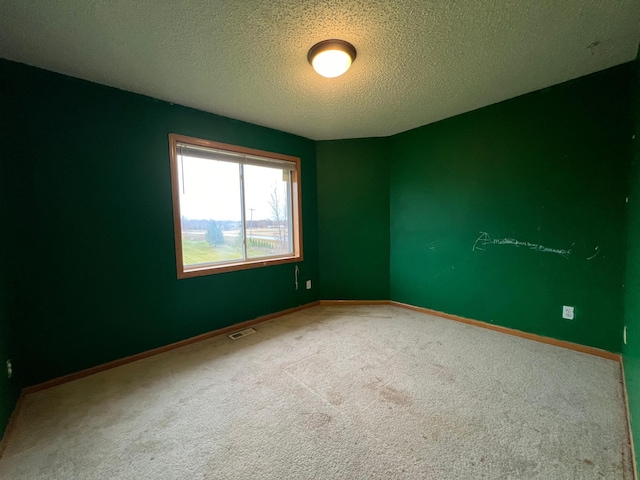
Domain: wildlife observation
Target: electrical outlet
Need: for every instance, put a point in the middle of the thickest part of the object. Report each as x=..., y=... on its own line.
x=308, y=284
x=9, y=369
x=567, y=312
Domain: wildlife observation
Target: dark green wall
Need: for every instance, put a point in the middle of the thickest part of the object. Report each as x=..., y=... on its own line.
x=8, y=391
x=10, y=241
x=631, y=351
x=91, y=198
x=353, y=216
x=548, y=168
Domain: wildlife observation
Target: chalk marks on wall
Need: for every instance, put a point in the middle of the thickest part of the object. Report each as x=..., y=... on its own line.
x=485, y=239
x=595, y=254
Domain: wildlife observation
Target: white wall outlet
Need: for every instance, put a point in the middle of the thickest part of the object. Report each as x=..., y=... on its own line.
x=567, y=312
x=9, y=369
x=308, y=284
x=624, y=335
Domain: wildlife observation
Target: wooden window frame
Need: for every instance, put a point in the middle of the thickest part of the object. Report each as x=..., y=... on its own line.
x=296, y=210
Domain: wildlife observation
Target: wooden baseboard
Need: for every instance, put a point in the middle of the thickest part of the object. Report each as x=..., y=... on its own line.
x=517, y=333
x=628, y=415
x=156, y=351
x=509, y=331
x=354, y=302
x=12, y=423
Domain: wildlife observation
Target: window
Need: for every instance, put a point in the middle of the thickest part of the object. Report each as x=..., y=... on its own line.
x=233, y=208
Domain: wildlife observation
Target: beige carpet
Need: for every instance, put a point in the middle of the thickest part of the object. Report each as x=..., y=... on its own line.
x=372, y=392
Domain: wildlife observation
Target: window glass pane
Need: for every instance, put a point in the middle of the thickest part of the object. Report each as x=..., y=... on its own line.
x=267, y=211
x=233, y=207
x=210, y=211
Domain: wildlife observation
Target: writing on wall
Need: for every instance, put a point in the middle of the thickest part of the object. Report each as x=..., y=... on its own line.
x=485, y=240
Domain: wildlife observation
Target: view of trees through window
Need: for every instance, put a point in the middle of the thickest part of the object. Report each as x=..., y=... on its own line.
x=232, y=211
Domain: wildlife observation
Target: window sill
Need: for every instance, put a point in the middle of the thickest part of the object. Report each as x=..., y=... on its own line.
x=202, y=270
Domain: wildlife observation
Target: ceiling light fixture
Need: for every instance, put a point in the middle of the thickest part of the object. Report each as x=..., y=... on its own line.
x=331, y=58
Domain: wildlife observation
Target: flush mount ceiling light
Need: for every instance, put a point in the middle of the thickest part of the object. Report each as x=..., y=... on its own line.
x=331, y=58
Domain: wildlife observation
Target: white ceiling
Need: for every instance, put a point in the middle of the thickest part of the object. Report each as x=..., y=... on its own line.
x=418, y=61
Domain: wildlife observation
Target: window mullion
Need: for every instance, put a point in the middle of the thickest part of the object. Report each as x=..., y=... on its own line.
x=242, y=213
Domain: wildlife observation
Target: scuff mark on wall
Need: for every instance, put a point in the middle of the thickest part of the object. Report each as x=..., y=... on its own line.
x=595, y=254
x=485, y=239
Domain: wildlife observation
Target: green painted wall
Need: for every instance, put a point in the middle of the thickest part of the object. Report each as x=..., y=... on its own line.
x=10, y=239
x=91, y=199
x=631, y=351
x=353, y=216
x=548, y=168
x=9, y=392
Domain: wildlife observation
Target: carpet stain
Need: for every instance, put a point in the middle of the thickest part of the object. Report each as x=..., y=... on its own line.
x=335, y=398
x=299, y=337
x=587, y=461
x=395, y=396
x=168, y=418
x=390, y=394
x=318, y=419
x=450, y=426
x=375, y=384
x=444, y=373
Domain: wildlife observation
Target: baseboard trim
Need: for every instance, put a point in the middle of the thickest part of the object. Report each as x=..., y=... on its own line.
x=509, y=331
x=628, y=415
x=157, y=351
x=11, y=424
x=354, y=302
x=517, y=333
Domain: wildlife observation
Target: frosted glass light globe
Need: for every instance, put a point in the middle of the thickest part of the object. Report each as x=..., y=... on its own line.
x=331, y=63
x=331, y=58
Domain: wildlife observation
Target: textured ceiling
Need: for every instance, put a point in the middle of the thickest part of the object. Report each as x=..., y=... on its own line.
x=418, y=61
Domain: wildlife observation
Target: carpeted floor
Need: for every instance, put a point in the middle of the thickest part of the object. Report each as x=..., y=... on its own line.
x=366, y=392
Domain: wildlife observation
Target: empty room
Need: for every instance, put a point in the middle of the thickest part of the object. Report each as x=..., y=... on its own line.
x=332, y=240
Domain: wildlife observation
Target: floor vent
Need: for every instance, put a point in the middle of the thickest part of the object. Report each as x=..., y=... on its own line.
x=240, y=334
